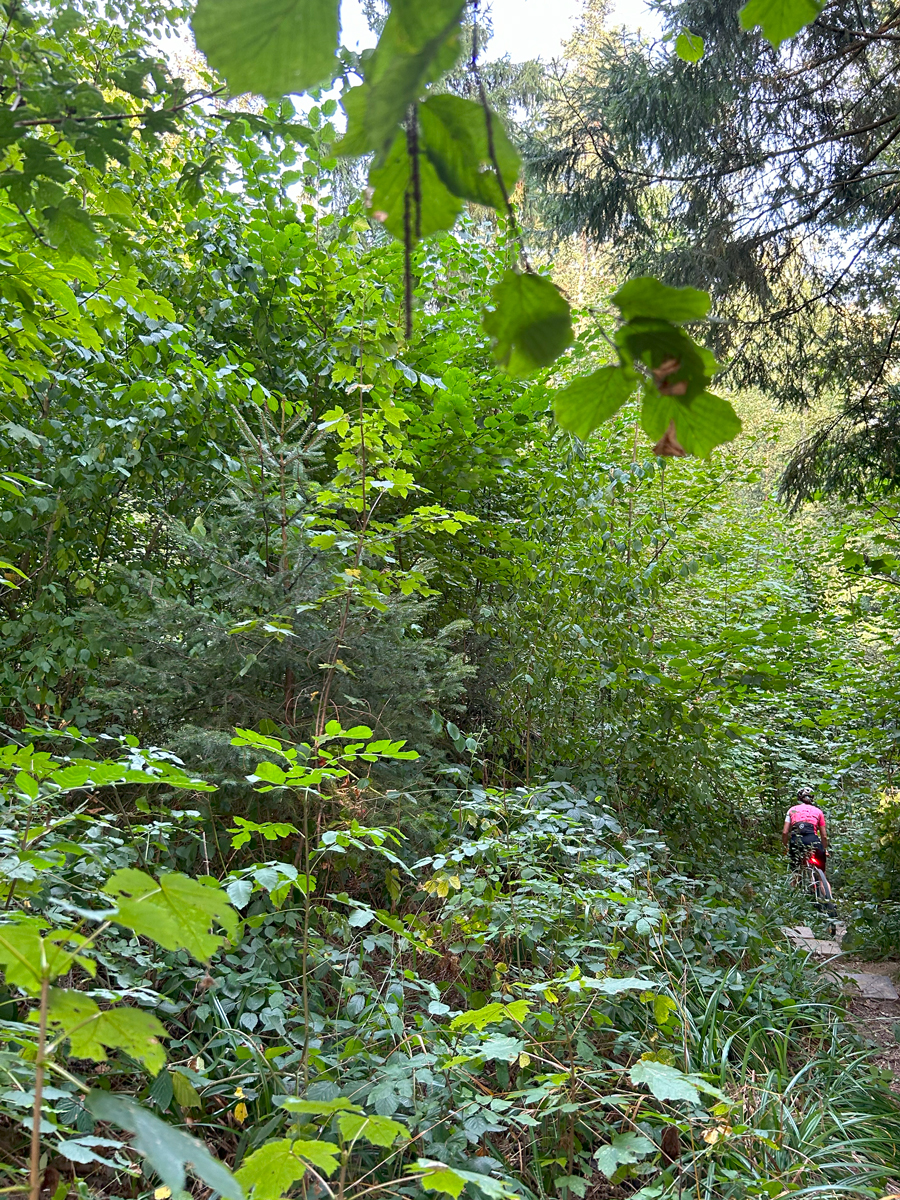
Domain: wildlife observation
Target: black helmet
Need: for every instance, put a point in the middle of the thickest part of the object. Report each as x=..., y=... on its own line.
x=805, y=795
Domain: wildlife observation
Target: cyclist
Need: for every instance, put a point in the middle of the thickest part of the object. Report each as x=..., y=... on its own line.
x=804, y=830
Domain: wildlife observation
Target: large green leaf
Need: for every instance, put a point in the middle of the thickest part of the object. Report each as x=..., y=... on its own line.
x=438, y=1177
x=168, y=1151
x=679, y=366
x=455, y=138
x=91, y=1031
x=176, y=912
x=624, y=1148
x=779, y=19
x=272, y=1169
x=418, y=44
x=589, y=401
x=665, y=1082
x=491, y=1014
x=269, y=47
x=645, y=296
x=531, y=322
x=701, y=424
x=380, y=1131
x=20, y=953
x=26, y=958
x=689, y=46
x=392, y=188
x=71, y=229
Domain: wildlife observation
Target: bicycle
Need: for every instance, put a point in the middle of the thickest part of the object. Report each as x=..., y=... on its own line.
x=809, y=873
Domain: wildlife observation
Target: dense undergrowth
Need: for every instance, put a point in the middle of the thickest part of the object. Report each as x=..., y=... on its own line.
x=451, y=864
x=550, y=1003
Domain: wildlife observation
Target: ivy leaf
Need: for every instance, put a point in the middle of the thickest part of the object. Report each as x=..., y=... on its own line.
x=391, y=183
x=168, y=1151
x=272, y=1169
x=175, y=912
x=531, y=322
x=418, y=44
x=689, y=46
x=645, y=296
x=665, y=1082
x=779, y=19
x=624, y=1148
x=587, y=402
x=91, y=1031
x=380, y=1131
x=455, y=138
x=269, y=47
x=701, y=424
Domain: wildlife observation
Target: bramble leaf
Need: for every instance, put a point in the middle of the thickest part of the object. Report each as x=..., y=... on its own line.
x=624, y=1148
x=491, y=1014
x=380, y=1131
x=531, y=322
x=269, y=47
x=273, y=1168
x=91, y=1031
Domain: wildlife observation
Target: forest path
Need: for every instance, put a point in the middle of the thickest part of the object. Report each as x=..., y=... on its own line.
x=872, y=991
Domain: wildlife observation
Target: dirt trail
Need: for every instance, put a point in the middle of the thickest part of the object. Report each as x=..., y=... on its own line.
x=871, y=989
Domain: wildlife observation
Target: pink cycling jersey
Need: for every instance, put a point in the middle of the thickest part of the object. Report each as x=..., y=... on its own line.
x=809, y=813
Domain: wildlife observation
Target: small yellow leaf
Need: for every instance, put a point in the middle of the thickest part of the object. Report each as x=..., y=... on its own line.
x=162, y=1193
x=524, y=1060
x=711, y=1136
x=239, y=1092
x=240, y=1113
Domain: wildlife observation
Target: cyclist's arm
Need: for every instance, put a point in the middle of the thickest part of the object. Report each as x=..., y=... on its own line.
x=823, y=836
x=786, y=832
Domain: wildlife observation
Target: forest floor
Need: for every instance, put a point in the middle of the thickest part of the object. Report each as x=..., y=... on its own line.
x=879, y=1019
x=872, y=990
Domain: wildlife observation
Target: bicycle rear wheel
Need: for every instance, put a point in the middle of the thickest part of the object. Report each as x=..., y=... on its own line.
x=820, y=889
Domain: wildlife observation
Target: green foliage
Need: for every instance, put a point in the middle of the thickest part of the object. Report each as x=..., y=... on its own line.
x=174, y=910
x=583, y=405
x=779, y=19
x=417, y=45
x=270, y=49
x=442, y=661
x=689, y=46
x=168, y=1151
x=530, y=323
